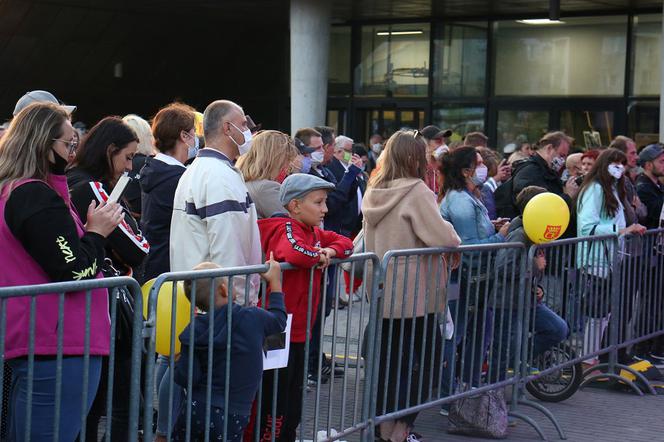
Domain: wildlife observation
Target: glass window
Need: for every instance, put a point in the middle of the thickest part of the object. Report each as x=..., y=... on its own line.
x=647, y=55
x=521, y=126
x=337, y=120
x=578, y=56
x=644, y=122
x=395, y=61
x=589, y=129
x=461, y=120
x=339, y=64
x=460, y=60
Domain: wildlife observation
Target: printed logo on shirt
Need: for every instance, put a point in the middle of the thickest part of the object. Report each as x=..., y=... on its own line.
x=88, y=272
x=295, y=245
x=65, y=249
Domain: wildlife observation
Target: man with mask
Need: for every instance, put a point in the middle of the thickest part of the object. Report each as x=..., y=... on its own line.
x=214, y=219
x=436, y=146
x=375, y=149
x=542, y=169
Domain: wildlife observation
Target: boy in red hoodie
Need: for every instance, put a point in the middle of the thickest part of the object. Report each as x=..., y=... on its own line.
x=298, y=240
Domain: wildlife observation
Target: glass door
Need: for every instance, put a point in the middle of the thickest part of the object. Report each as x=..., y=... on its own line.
x=386, y=121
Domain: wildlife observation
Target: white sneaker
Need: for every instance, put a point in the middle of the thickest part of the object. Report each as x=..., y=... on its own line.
x=414, y=437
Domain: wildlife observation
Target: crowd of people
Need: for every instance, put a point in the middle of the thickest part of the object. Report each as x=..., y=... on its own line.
x=215, y=190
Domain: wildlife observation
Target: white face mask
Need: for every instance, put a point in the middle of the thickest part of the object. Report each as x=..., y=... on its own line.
x=244, y=147
x=440, y=151
x=317, y=157
x=481, y=173
x=616, y=170
x=377, y=148
x=557, y=163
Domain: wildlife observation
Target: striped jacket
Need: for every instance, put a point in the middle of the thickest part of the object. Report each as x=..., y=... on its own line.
x=215, y=220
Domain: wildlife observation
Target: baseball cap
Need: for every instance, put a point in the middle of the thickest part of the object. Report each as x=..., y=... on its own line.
x=298, y=185
x=649, y=153
x=303, y=148
x=435, y=133
x=39, y=97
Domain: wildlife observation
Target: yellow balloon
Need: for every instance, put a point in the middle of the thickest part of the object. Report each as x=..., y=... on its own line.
x=545, y=218
x=164, y=312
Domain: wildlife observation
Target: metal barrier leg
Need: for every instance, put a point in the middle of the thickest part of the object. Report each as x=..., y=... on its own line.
x=546, y=412
x=529, y=420
x=617, y=377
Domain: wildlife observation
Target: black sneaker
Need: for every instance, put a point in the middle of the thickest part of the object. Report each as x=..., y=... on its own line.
x=326, y=369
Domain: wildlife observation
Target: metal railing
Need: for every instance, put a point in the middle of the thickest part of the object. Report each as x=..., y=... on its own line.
x=43, y=298
x=431, y=327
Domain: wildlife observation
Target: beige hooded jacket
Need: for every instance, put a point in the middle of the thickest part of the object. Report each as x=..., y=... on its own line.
x=405, y=215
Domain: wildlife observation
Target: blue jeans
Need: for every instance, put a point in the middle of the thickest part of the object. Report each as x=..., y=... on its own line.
x=43, y=397
x=162, y=382
x=549, y=330
x=471, y=351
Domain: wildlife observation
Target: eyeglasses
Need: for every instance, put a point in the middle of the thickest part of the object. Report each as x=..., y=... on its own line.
x=71, y=144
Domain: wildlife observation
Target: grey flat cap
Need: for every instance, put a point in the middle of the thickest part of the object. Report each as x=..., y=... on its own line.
x=650, y=153
x=39, y=97
x=299, y=184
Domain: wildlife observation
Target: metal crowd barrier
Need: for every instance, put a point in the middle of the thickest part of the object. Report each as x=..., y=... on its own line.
x=436, y=328
x=328, y=403
x=440, y=325
x=118, y=288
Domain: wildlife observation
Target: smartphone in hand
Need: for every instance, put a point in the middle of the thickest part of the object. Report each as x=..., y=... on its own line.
x=119, y=189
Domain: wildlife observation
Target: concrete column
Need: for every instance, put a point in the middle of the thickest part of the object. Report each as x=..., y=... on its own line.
x=309, y=55
x=661, y=84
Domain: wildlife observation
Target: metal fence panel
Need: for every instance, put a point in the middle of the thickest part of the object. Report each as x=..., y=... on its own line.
x=121, y=286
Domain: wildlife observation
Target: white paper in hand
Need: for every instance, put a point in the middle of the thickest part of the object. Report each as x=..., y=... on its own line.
x=277, y=347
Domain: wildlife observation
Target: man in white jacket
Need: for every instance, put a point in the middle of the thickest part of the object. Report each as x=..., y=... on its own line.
x=214, y=218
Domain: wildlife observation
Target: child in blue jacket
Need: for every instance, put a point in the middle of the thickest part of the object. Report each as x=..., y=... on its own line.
x=249, y=328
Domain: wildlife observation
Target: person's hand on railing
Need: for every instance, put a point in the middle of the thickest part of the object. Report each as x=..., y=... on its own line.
x=454, y=260
x=273, y=274
x=326, y=256
x=103, y=218
x=635, y=229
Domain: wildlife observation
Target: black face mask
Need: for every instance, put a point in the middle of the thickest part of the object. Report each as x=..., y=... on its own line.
x=59, y=166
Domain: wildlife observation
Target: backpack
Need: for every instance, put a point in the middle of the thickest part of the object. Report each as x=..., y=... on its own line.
x=505, y=200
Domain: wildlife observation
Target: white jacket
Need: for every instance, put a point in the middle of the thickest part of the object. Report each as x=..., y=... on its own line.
x=215, y=220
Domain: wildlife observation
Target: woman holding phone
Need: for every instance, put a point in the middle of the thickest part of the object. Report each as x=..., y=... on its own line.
x=104, y=156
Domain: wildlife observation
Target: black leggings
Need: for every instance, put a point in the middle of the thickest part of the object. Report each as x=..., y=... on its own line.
x=392, y=392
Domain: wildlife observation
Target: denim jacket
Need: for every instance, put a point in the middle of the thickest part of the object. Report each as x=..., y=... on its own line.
x=470, y=218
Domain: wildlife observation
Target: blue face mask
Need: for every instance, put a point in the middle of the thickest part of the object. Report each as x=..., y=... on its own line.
x=306, y=165
x=193, y=150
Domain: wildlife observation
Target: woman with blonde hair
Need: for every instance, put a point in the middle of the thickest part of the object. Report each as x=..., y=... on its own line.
x=264, y=167
x=42, y=240
x=398, y=200
x=145, y=150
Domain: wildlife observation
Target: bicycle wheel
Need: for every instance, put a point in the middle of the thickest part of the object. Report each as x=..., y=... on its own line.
x=560, y=384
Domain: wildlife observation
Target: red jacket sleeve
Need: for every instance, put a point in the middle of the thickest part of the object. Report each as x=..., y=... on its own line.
x=293, y=247
x=341, y=244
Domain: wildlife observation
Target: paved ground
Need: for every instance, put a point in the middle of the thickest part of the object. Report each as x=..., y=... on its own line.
x=592, y=414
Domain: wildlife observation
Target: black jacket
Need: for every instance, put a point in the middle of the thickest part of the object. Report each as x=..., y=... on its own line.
x=158, y=182
x=132, y=194
x=125, y=246
x=533, y=172
x=652, y=195
x=346, y=219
